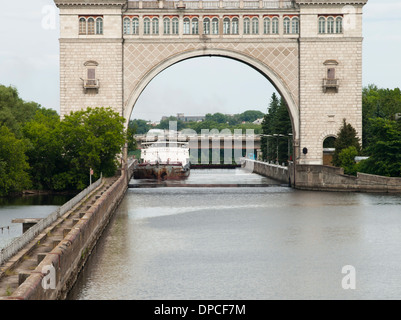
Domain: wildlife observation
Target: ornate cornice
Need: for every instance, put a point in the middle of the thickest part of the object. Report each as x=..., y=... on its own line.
x=331, y=2
x=90, y=2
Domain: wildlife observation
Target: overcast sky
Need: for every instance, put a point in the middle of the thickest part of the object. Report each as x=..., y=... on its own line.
x=29, y=60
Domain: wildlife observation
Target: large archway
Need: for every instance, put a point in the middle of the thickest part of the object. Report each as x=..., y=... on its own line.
x=268, y=73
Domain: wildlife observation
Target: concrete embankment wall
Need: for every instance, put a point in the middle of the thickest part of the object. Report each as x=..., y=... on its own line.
x=325, y=178
x=272, y=171
x=70, y=255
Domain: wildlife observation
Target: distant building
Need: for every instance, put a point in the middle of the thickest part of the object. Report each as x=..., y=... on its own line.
x=183, y=117
x=258, y=121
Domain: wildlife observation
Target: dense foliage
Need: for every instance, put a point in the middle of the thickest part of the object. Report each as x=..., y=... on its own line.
x=13, y=163
x=378, y=103
x=384, y=148
x=381, y=135
x=39, y=150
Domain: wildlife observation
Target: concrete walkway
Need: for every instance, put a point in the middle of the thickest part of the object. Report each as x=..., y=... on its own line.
x=15, y=271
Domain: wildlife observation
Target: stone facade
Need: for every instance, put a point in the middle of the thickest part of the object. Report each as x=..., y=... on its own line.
x=109, y=64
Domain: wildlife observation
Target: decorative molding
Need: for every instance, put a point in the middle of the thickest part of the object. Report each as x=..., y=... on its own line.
x=331, y=62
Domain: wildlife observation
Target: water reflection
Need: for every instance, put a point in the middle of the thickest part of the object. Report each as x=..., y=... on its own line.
x=246, y=243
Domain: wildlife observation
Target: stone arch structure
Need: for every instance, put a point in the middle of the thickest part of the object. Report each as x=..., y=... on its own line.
x=275, y=79
x=316, y=67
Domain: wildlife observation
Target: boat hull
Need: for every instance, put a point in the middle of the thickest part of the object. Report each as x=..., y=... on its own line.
x=161, y=171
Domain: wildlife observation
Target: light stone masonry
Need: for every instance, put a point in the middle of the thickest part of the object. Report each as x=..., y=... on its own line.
x=318, y=74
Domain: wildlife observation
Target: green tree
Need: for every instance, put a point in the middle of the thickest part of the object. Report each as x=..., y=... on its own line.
x=277, y=125
x=378, y=103
x=384, y=149
x=346, y=137
x=45, y=150
x=14, y=112
x=139, y=126
x=91, y=138
x=251, y=115
x=347, y=159
x=13, y=164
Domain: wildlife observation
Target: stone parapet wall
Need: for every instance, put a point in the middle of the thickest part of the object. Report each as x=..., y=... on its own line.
x=70, y=255
x=324, y=178
x=272, y=171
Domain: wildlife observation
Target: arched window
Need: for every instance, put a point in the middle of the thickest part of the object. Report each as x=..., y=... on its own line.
x=266, y=25
x=135, y=26
x=247, y=27
x=166, y=26
x=186, y=26
x=175, y=25
x=99, y=26
x=155, y=26
x=91, y=26
x=234, y=25
x=206, y=26
x=339, y=25
x=255, y=26
x=215, y=26
x=322, y=25
x=275, y=26
x=82, y=26
x=146, y=26
x=226, y=26
x=195, y=26
x=127, y=25
x=286, y=25
x=330, y=25
x=295, y=26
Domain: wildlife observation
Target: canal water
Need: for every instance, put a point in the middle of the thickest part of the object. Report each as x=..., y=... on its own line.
x=32, y=206
x=246, y=243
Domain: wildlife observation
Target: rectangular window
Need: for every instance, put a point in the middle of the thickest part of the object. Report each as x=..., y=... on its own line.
x=166, y=24
x=91, y=74
x=266, y=26
x=206, y=26
x=155, y=26
x=82, y=26
x=331, y=73
x=186, y=26
x=91, y=26
x=135, y=26
x=99, y=26
x=175, y=26
x=275, y=26
x=215, y=26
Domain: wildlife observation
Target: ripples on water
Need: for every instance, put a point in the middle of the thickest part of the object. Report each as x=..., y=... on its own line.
x=246, y=243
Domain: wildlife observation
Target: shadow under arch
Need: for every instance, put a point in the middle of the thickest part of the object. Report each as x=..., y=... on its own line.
x=262, y=68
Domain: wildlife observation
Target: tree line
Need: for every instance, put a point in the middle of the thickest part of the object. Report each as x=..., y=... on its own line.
x=381, y=135
x=217, y=121
x=40, y=151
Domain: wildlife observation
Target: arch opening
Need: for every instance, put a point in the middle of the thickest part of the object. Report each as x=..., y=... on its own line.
x=274, y=79
x=260, y=67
